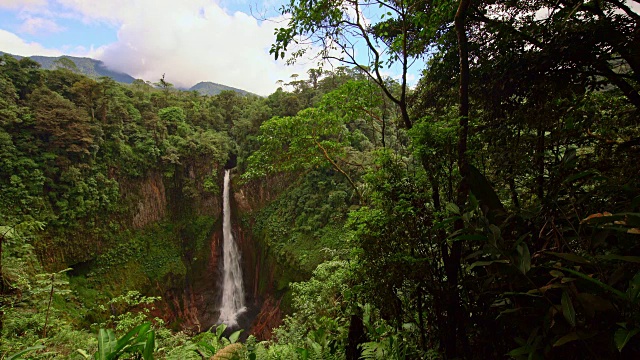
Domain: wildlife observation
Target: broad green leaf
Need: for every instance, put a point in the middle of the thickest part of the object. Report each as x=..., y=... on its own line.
x=524, y=262
x=19, y=354
x=495, y=231
x=634, y=288
x=106, y=344
x=304, y=353
x=139, y=330
x=567, y=338
x=149, y=346
x=453, y=208
x=570, y=257
x=592, y=303
x=568, y=311
x=622, y=337
x=619, y=293
x=508, y=311
x=482, y=189
x=487, y=263
x=207, y=346
x=580, y=175
x=219, y=330
x=234, y=337
x=634, y=259
x=470, y=237
x=523, y=350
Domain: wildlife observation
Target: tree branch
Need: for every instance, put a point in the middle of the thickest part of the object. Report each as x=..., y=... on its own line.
x=337, y=167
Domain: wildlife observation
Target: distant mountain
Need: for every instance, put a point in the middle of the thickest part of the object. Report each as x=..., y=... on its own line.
x=96, y=68
x=211, y=88
x=86, y=66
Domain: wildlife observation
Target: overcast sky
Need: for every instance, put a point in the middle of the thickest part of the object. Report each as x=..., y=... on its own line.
x=188, y=40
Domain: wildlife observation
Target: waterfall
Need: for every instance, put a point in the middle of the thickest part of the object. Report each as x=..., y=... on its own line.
x=232, y=290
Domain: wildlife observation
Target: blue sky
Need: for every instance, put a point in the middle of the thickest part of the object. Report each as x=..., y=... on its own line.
x=188, y=40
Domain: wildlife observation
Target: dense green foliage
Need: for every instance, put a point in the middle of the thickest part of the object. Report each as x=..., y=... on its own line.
x=508, y=223
x=491, y=211
x=104, y=178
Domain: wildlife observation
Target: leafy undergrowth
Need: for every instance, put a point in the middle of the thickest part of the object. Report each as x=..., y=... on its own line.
x=303, y=226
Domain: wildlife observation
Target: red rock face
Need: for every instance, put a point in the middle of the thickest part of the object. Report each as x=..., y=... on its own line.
x=150, y=204
x=193, y=305
x=269, y=317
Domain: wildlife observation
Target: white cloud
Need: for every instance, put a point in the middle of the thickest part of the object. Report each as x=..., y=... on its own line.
x=13, y=44
x=189, y=41
x=21, y=4
x=35, y=25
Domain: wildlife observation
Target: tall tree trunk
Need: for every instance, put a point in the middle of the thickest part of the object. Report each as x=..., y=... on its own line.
x=1, y=274
x=356, y=337
x=455, y=324
x=540, y=162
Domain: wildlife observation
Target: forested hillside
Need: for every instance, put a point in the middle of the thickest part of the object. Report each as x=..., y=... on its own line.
x=86, y=66
x=491, y=211
x=210, y=88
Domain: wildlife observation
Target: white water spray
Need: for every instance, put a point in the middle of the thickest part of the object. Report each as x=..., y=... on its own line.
x=232, y=290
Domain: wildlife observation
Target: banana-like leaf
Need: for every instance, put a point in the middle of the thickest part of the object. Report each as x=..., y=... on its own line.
x=149, y=346
x=106, y=344
x=19, y=354
x=135, y=341
x=126, y=340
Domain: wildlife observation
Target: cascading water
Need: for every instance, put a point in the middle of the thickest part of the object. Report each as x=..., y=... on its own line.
x=232, y=290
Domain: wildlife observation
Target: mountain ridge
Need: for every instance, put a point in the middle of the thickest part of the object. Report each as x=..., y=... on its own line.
x=212, y=88
x=96, y=68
